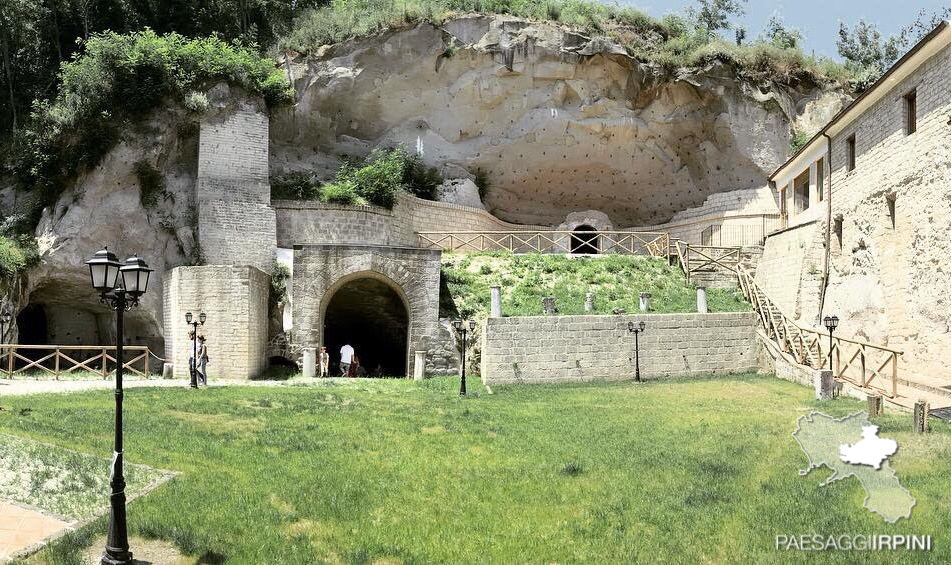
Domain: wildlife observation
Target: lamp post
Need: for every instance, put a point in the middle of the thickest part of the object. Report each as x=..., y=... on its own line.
x=831, y=323
x=193, y=367
x=637, y=361
x=104, y=269
x=461, y=326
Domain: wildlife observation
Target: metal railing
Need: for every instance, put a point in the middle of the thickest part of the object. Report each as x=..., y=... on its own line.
x=655, y=244
x=60, y=360
x=867, y=365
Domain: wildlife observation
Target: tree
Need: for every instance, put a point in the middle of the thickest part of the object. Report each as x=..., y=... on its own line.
x=20, y=41
x=866, y=53
x=923, y=24
x=779, y=35
x=713, y=15
x=740, y=34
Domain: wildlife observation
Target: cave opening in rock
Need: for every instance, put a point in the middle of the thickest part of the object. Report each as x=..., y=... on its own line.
x=31, y=325
x=371, y=316
x=584, y=240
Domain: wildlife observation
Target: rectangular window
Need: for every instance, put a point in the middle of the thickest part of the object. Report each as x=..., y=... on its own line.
x=801, y=192
x=820, y=178
x=837, y=227
x=911, y=112
x=782, y=206
x=850, y=152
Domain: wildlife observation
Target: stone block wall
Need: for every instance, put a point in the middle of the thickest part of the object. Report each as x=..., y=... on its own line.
x=236, y=224
x=235, y=300
x=538, y=349
x=302, y=223
x=790, y=269
x=888, y=280
x=320, y=270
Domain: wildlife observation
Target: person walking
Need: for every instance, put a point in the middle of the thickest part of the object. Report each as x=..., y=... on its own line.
x=346, y=357
x=324, y=363
x=192, y=347
x=202, y=366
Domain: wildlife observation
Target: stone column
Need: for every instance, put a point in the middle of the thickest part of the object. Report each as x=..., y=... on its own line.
x=701, y=300
x=310, y=362
x=419, y=365
x=496, y=311
x=921, y=417
x=822, y=379
x=168, y=370
x=589, y=302
x=645, y=303
x=874, y=405
x=548, y=305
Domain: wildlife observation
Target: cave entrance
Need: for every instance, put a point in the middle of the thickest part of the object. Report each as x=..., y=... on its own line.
x=31, y=323
x=370, y=315
x=584, y=240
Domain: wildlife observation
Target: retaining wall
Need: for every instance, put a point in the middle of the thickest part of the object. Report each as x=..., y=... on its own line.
x=540, y=349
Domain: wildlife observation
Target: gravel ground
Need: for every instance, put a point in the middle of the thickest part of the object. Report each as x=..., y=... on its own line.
x=30, y=386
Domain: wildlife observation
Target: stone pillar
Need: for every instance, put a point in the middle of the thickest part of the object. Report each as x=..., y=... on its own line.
x=310, y=362
x=167, y=370
x=645, y=303
x=496, y=311
x=823, y=382
x=874, y=405
x=548, y=305
x=419, y=365
x=701, y=300
x=589, y=302
x=921, y=417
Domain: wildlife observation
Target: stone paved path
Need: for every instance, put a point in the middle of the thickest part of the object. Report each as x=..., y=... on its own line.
x=21, y=527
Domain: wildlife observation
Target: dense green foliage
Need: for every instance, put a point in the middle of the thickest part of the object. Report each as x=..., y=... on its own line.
x=16, y=254
x=119, y=79
x=799, y=140
x=397, y=471
x=280, y=274
x=673, y=41
x=615, y=280
x=377, y=181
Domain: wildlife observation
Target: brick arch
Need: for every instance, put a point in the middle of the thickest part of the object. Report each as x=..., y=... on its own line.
x=321, y=270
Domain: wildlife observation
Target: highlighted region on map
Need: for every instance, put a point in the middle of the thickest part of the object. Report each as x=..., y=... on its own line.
x=850, y=446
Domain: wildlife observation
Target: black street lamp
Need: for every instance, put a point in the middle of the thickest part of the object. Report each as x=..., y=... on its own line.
x=193, y=367
x=104, y=269
x=461, y=327
x=637, y=361
x=831, y=323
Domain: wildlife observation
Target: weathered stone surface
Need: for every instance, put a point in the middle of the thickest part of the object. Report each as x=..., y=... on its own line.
x=560, y=122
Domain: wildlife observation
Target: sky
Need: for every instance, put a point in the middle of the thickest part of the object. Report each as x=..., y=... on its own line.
x=818, y=20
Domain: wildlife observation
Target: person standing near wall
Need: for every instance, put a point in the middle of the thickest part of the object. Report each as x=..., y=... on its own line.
x=324, y=363
x=202, y=366
x=192, y=346
x=346, y=357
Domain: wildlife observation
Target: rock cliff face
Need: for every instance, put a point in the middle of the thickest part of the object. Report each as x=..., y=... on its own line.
x=55, y=301
x=559, y=122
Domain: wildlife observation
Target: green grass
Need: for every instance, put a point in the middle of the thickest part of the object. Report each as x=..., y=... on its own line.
x=615, y=280
x=686, y=470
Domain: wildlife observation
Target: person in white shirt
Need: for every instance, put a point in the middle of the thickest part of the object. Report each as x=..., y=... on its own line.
x=346, y=357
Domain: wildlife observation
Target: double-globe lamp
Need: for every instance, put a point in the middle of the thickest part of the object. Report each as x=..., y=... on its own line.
x=193, y=367
x=120, y=294
x=831, y=323
x=460, y=326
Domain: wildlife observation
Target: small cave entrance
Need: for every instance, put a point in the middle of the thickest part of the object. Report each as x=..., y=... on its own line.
x=371, y=316
x=584, y=240
x=31, y=323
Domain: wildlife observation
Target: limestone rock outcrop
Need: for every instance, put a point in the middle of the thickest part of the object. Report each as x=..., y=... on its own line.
x=558, y=121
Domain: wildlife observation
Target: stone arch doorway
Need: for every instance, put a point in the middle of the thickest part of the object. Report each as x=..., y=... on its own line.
x=584, y=240
x=369, y=312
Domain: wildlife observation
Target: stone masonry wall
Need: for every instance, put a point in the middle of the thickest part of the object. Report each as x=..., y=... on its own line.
x=537, y=349
x=889, y=281
x=320, y=270
x=791, y=262
x=236, y=224
x=235, y=300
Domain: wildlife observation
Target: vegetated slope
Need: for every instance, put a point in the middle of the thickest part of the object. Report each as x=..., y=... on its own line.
x=615, y=280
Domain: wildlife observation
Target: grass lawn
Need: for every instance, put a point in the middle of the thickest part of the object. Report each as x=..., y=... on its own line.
x=682, y=471
x=615, y=280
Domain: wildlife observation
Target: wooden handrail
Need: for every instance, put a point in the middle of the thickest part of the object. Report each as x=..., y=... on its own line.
x=10, y=354
x=656, y=244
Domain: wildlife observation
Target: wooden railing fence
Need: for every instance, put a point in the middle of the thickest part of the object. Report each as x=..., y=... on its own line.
x=706, y=258
x=60, y=360
x=861, y=363
x=655, y=244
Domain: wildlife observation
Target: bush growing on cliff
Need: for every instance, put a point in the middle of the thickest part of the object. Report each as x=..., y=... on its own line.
x=117, y=80
x=16, y=254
